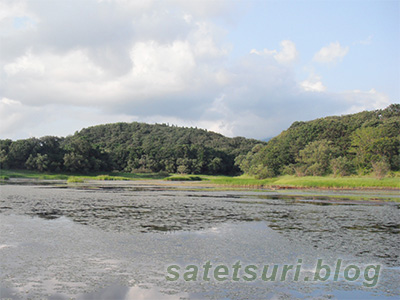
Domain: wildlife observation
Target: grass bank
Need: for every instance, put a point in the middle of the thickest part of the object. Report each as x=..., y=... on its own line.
x=350, y=182
x=338, y=182
x=76, y=177
x=32, y=175
x=186, y=178
x=310, y=182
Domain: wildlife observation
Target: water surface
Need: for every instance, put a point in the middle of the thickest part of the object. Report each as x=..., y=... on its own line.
x=115, y=240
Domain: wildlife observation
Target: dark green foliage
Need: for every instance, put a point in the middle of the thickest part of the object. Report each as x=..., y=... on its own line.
x=44, y=154
x=4, y=150
x=381, y=168
x=144, y=147
x=83, y=156
x=316, y=157
x=371, y=144
x=131, y=147
x=342, y=166
x=331, y=144
x=184, y=178
x=38, y=162
x=19, y=152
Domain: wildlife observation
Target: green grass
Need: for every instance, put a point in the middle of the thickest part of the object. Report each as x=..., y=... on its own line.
x=74, y=179
x=338, y=182
x=80, y=179
x=243, y=181
x=311, y=182
x=307, y=181
x=32, y=174
x=240, y=181
x=185, y=178
x=140, y=176
x=108, y=177
x=92, y=176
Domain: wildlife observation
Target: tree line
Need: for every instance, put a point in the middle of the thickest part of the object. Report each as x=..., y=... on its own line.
x=340, y=145
x=128, y=147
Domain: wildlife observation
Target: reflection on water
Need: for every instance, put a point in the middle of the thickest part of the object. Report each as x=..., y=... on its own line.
x=334, y=220
x=114, y=292
x=131, y=293
x=106, y=240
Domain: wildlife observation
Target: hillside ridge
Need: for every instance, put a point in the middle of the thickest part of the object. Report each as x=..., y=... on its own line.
x=129, y=147
x=342, y=145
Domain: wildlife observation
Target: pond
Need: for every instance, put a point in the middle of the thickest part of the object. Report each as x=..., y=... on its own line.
x=160, y=240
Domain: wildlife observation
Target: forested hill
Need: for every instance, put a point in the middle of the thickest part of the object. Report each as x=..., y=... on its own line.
x=129, y=147
x=358, y=143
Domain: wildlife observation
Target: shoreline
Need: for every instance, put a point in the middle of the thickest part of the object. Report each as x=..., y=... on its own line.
x=323, y=183
x=196, y=184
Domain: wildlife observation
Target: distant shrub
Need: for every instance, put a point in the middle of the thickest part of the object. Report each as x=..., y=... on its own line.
x=300, y=170
x=104, y=177
x=289, y=170
x=316, y=169
x=108, y=177
x=265, y=173
x=380, y=168
x=163, y=174
x=4, y=177
x=182, y=169
x=73, y=179
x=316, y=157
x=184, y=178
x=141, y=170
x=341, y=166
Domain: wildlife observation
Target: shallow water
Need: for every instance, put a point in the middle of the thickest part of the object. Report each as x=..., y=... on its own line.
x=115, y=240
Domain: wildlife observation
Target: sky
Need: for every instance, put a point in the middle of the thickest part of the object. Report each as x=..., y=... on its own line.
x=240, y=68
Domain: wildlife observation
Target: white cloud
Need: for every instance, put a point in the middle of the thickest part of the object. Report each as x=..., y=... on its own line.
x=13, y=9
x=287, y=54
x=313, y=84
x=188, y=18
x=204, y=42
x=18, y=120
x=159, y=69
x=46, y=78
x=15, y=117
x=357, y=100
x=208, y=9
x=331, y=53
x=71, y=66
x=153, y=61
x=10, y=113
x=142, y=5
x=25, y=64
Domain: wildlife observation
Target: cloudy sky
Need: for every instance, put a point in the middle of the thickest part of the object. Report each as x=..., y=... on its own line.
x=241, y=68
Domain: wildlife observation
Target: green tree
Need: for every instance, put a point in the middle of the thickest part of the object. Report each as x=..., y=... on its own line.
x=4, y=150
x=282, y=153
x=341, y=166
x=82, y=156
x=38, y=162
x=215, y=166
x=316, y=157
x=19, y=152
x=372, y=144
x=184, y=166
x=75, y=162
x=380, y=168
x=50, y=147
